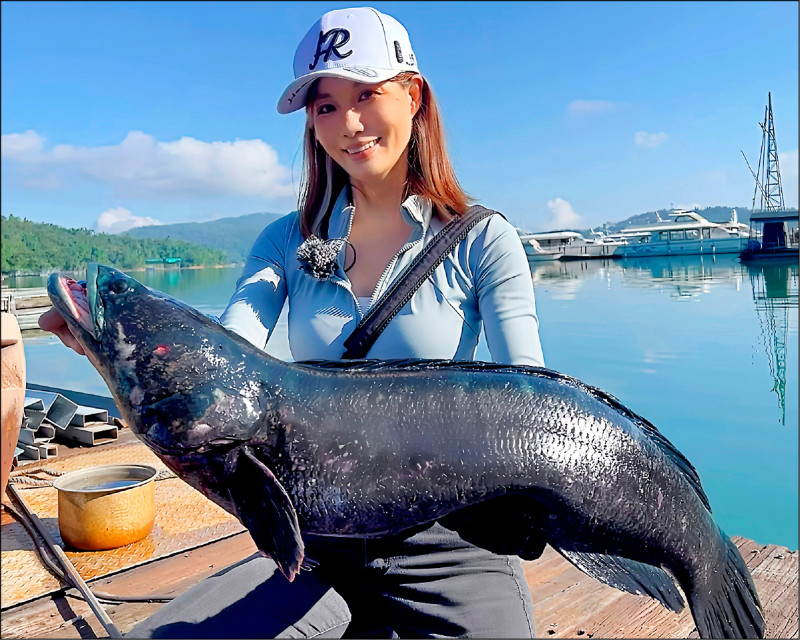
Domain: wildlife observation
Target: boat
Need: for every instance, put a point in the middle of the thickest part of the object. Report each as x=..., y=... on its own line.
x=568, y=245
x=774, y=230
x=687, y=233
x=600, y=246
x=541, y=247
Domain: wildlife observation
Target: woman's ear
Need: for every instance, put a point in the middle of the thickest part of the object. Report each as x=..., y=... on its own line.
x=415, y=91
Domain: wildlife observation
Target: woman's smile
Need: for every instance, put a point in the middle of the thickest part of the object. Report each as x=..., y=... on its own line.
x=362, y=151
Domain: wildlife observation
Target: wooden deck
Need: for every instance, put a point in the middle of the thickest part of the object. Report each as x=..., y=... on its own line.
x=568, y=604
x=26, y=304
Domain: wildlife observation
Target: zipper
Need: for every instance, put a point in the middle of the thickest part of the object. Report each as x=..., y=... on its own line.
x=389, y=267
x=342, y=282
x=406, y=297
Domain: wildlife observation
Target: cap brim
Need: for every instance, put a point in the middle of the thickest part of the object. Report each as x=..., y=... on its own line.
x=294, y=97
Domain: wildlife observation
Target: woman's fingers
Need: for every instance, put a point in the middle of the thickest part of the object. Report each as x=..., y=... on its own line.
x=53, y=322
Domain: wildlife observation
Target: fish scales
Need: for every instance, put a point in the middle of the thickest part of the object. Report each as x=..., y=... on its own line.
x=510, y=457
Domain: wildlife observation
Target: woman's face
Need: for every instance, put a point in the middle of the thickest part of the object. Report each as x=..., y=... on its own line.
x=366, y=128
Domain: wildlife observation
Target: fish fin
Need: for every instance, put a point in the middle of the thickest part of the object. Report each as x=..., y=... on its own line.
x=727, y=604
x=264, y=507
x=628, y=575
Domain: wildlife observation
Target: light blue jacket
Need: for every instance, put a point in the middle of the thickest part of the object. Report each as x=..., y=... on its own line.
x=485, y=282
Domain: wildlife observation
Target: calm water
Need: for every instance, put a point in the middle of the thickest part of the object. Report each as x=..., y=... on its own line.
x=706, y=349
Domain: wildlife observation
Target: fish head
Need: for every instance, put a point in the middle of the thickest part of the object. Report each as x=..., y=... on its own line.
x=174, y=373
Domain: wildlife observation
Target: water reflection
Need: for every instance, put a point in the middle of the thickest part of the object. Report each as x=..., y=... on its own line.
x=684, y=276
x=774, y=286
x=775, y=293
x=565, y=278
x=207, y=290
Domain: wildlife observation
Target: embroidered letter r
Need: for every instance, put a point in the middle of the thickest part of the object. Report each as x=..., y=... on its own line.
x=336, y=38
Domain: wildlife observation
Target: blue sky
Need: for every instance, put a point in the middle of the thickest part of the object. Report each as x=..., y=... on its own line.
x=557, y=113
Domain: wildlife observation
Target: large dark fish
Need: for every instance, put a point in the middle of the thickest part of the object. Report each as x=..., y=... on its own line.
x=368, y=449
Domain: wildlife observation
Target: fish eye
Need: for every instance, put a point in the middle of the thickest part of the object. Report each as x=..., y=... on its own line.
x=119, y=286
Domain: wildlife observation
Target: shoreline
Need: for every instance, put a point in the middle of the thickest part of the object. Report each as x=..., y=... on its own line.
x=45, y=274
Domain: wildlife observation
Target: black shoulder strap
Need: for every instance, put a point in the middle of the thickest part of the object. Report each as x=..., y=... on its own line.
x=374, y=322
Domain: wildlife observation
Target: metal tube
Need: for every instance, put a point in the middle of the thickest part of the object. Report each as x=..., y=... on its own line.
x=68, y=567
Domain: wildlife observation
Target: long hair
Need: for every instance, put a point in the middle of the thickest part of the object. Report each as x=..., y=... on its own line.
x=430, y=173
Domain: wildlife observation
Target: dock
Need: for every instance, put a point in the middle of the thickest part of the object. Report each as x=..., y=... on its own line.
x=26, y=304
x=193, y=539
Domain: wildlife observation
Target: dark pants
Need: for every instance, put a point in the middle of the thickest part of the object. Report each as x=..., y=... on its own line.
x=432, y=584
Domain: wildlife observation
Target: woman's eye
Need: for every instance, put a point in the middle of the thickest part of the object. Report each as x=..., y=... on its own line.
x=324, y=108
x=367, y=94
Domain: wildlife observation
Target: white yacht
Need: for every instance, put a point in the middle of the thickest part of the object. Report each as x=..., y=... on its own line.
x=688, y=233
x=568, y=245
x=547, y=246
x=598, y=246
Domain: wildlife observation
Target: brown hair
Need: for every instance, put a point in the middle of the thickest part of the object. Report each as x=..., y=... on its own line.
x=430, y=173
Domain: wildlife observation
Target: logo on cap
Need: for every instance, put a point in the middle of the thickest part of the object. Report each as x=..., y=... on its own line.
x=335, y=39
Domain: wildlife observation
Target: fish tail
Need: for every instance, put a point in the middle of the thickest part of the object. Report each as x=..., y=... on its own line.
x=727, y=605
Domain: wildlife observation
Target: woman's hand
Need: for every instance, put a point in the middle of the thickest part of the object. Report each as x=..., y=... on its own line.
x=53, y=322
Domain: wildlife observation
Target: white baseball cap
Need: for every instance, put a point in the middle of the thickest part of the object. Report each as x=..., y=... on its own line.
x=358, y=44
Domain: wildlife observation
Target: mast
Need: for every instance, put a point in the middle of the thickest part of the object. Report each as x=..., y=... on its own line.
x=770, y=184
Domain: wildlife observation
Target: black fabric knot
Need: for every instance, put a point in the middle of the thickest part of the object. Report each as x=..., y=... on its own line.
x=318, y=256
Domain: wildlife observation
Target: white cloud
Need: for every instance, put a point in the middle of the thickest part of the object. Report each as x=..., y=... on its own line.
x=590, y=107
x=141, y=166
x=121, y=219
x=563, y=215
x=19, y=145
x=650, y=140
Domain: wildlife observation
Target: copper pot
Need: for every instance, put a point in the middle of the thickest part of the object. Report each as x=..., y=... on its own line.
x=12, y=397
x=106, y=507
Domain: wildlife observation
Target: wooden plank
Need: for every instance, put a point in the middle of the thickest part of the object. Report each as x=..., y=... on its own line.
x=775, y=573
x=56, y=617
x=64, y=616
x=570, y=604
x=567, y=603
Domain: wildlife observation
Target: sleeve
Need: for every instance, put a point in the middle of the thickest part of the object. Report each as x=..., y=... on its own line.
x=504, y=290
x=261, y=290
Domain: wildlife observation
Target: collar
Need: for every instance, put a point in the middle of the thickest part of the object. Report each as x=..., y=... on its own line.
x=417, y=211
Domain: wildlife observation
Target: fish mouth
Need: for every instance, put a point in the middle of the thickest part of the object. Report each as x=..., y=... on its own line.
x=78, y=302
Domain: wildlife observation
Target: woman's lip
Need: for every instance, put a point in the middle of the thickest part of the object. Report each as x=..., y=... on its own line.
x=363, y=152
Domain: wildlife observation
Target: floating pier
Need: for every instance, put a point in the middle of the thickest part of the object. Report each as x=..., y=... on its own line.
x=26, y=304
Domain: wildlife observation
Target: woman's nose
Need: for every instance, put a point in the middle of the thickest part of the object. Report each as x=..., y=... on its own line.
x=352, y=122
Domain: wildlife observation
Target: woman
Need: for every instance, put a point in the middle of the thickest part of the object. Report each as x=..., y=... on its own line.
x=378, y=185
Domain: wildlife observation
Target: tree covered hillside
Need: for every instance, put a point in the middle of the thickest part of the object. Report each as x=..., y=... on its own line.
x=34, y=247
x=235, y=236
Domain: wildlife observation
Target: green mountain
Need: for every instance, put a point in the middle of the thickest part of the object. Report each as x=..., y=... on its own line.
x=35, y=247
x=233, y=236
